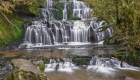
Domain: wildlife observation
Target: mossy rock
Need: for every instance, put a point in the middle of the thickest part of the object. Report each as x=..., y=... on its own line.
x=41, y=65
x=46, y=60
x=25, y=75
x=25, y=70
x=52, y=50
x=80, y=61
x=75, y=18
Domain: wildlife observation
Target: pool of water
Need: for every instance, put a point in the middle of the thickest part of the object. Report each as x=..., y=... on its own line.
x=60, y=52
x=92, y=74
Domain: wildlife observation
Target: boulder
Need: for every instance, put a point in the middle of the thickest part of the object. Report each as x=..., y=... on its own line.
x=25, y=70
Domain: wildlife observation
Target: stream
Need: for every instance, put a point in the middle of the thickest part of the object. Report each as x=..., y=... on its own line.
x=99, y=64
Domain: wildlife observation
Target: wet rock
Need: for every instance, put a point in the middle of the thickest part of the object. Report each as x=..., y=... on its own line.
x=5, y=69
x=25, y=70
x=126, y=78
x=81, y=60
x=26, y=65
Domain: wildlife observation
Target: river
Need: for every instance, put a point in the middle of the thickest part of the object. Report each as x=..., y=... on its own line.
x=78, y=71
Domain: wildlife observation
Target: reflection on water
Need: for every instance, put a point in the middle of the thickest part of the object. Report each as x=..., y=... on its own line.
x=59, y=53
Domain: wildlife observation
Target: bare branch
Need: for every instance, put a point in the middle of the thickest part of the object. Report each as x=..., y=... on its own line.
x=9, y=20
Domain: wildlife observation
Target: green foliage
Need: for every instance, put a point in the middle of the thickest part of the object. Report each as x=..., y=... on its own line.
x=124, y=15
x=58, y=14
x=9, y=5
x=70, y=13
x=10, y=76
x=80, y=61
x=33, y=8
x=75, y=18
x=41, y=65
x=46, y=60
x=56, y=0
x=8, y=32
x=16, y=11
x=52, y=50
x=24, y=75
x=59, y=11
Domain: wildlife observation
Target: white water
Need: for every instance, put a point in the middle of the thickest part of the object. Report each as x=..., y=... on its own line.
x=48, y=31
x=61, y=65
x=97, y=65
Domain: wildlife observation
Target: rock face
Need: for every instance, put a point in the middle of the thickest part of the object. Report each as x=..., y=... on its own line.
x=5, y=68
x=26, y=65
x=25, y=70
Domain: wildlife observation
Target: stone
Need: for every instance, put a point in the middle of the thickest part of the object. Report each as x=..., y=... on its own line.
x=25, y=70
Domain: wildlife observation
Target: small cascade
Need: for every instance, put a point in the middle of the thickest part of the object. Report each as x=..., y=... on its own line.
x=107, y=66
x=65, y=12
x=48, y=4
x=47, y=11
x=95, y=63
x=108, y=62
x=50, y=31
x=64, y=64
x=79, y=32
x=80, y=10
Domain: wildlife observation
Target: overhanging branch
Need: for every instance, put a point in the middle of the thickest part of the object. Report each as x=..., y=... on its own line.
x=9, y=21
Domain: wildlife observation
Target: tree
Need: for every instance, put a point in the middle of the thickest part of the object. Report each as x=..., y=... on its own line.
x=124, y=17
x=7, y=6
x=13, y=13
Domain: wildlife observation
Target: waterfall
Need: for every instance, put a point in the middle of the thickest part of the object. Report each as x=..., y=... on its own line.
x=65, y=12
x=80, y=10
x=64, y=64
x=50, y=31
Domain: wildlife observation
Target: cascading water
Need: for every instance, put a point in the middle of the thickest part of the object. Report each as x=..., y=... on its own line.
x=64, y=64
x=99, y=64
x=80, y=10
x=108, y=62
x=107, y=66
x=49, y=31
x=65, y=12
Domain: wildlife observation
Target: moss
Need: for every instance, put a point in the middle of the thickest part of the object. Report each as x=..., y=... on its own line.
x=17, y=34
x=17, y=74
x=46, y=60
x=41, y=65
x=73, y=56
x=75, y=18
x=23, y=75
x=70, y=13
x=31, y=9
x=10, y=76
x=59, y=11
x=80, y=61
x=52, y=50
x=8, y=32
